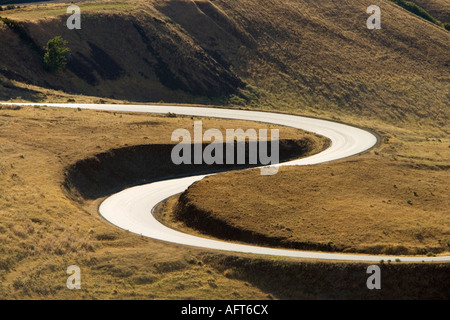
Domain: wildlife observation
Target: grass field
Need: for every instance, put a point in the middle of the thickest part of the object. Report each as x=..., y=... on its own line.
x=311, y=57
x=306, y=57
x=43, y=231
x=439, y=9
x=48, y=11
x=365, y=206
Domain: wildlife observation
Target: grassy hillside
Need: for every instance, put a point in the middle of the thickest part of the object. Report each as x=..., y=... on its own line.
x=439, y=9
x=366, y=206
x=42, y=231
x=312, y=57
x=137, y=57
x=419, y=11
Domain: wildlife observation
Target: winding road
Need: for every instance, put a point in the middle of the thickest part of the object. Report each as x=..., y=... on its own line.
x=131, y=209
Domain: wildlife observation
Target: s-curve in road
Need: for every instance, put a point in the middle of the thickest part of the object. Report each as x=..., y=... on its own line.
x=132, y=208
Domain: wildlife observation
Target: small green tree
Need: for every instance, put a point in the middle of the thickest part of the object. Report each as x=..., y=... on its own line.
x=55, y=57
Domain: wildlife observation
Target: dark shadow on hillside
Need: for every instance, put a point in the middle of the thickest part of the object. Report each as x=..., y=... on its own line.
x=336, y=280
x=118, y=169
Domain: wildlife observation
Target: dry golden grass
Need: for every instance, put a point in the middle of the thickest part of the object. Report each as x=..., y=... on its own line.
x=313, y=57
x=440, y=9
x=305, y=57
x=367, y=206
x=34, y=12
x=42, y=231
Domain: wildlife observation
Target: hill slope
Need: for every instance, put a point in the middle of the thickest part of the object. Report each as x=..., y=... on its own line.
x=310, y=56
x=440, y=9
x=313, y=57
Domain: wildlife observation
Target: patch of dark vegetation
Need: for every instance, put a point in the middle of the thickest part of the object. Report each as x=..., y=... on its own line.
x=170, y=266
x=106, y=237
x=418, y=11
x=115, y=271
x=146, y=123
x=146, y=279
x=118, y=169
x=15, y=108
x=56, y=53
x=7, y=264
